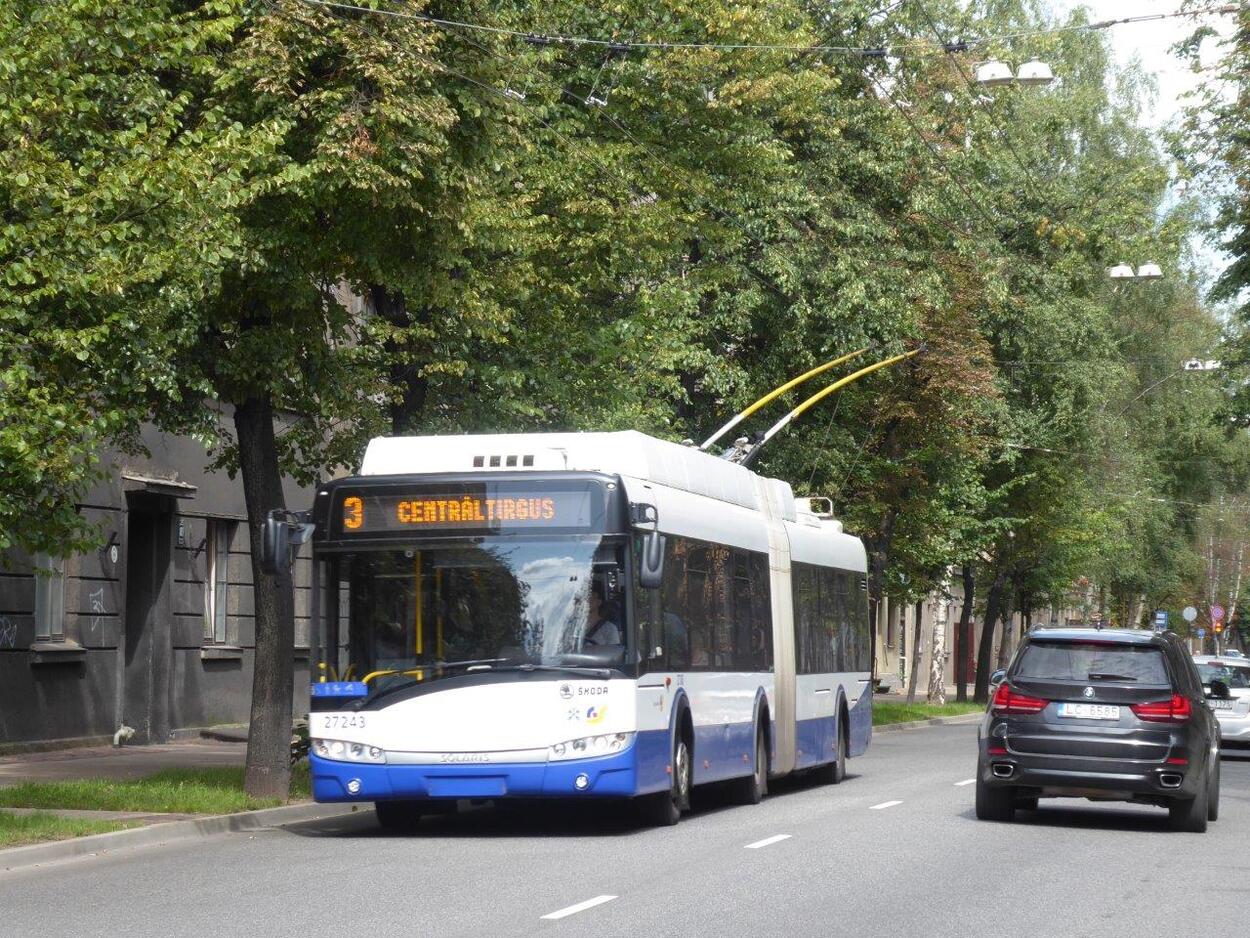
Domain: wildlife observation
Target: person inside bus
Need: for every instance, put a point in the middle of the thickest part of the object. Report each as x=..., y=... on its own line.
x=600, y=630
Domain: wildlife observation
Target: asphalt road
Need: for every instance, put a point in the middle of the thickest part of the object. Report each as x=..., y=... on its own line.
x=895, y=850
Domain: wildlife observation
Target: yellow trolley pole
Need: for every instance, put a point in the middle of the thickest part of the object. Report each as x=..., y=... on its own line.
x=776, y=393
x=820, y=396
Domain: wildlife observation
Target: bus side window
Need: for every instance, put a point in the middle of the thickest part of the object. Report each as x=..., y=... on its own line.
x=674, y=604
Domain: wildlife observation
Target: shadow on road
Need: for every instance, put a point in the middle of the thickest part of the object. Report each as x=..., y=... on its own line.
x=1094, y=817
x=540, y=817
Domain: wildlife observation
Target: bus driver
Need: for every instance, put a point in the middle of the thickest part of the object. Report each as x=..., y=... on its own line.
x=600, y=630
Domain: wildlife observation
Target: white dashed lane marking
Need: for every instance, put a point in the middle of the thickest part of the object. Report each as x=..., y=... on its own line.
x=966, y=781
x=884, y=804
x=767, y=841
x=580, y=907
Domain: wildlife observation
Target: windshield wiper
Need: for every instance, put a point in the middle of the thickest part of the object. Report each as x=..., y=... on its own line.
x=485, y=663
x=604, y=673
x=1104, y=676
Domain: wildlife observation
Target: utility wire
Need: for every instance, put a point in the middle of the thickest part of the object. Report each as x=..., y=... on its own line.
x=517, y=99
x=976, y=97
x=540, y=38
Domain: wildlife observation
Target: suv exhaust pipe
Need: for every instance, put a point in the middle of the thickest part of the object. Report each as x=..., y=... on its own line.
x=1006, y=770
x=1170, y=780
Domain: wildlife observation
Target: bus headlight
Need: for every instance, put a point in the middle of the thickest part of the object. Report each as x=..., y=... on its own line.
x=589, y=746
x=347, y=752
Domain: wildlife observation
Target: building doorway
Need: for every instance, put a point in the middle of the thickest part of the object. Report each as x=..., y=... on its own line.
x=147, y=639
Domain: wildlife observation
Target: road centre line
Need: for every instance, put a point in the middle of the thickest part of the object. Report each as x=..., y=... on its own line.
x=767, y=841
x=580, y=907
x=884, y=804
x=966, y=781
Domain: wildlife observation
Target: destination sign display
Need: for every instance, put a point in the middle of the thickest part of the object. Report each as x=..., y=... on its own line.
x=482, y=509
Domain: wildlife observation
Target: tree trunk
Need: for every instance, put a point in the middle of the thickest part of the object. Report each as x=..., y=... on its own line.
x=1008, y=642
x=913, y=666
x=937, y=653
x=963, y=635
x=878, y=549
x=407, y=379
x=268, y=772
x=993, y=603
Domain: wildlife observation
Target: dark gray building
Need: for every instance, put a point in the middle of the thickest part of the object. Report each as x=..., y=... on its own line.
x=155, y=630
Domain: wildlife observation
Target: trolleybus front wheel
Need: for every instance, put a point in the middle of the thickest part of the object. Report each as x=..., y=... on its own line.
x=663, y=809
x=400, y=816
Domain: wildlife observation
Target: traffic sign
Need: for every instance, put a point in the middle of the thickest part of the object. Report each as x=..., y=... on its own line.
x=1189, y=613
x=1217, y=613
x=1202, y=633
x=1161, y=619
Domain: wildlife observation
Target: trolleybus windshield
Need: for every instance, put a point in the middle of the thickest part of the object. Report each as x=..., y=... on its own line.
x=431, y=611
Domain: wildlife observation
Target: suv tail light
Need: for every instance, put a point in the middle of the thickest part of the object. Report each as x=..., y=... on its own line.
x=1175, y=710
x=1007, y=700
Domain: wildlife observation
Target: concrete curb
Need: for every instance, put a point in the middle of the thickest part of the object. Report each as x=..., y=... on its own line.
x=962, y=719
x=166, y=832
x=226, y=733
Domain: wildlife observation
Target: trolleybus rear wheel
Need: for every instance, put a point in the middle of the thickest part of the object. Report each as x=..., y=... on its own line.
x=753, y=788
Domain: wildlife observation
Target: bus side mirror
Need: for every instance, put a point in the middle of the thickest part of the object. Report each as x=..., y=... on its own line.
x=281, y=538
x=651, y=563
x=275, y=542
x=651, y=568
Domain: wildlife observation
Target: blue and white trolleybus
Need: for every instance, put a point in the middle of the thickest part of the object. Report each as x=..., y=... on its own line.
x=582, y=615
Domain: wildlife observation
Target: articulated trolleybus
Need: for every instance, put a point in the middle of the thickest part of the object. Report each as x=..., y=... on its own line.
x=583, y=615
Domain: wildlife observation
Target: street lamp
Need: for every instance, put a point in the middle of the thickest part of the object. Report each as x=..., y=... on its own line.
x=996, y=72
x=1150, y=271
x=1035, y=73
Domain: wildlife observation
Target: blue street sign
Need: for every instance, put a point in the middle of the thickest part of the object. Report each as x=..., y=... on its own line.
x=1202, y=633
x=1161, y=620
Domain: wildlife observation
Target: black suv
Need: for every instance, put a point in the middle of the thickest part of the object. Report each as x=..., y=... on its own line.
x=1104, y=714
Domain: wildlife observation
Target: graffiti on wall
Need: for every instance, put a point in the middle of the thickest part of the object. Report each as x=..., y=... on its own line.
x=97, y=608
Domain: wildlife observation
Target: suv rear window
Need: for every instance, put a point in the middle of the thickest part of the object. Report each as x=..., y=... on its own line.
x=1235, y=676
x=1092, y=661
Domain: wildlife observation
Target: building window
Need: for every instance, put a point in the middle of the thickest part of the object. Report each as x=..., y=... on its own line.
x=218, y=578
x=50, y=598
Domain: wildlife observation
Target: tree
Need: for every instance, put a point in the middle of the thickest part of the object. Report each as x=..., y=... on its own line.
x=115, y=186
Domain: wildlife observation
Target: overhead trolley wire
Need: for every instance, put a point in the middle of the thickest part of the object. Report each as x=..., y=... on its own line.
x=619, y=46
x=541, y=38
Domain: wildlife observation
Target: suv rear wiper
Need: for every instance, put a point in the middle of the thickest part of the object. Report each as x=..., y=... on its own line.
x=1104, y=676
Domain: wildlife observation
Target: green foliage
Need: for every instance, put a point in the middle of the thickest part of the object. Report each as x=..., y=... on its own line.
x=373, y=222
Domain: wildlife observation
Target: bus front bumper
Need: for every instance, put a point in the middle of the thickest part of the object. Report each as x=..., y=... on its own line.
x=613, y=776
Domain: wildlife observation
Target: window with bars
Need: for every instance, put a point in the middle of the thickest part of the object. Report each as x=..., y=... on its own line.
x=217, y=580
x=50, y=598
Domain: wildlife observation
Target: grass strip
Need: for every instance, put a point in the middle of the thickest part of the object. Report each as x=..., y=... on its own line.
x=890, y=712
x=179, y=791
x=17, y=830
